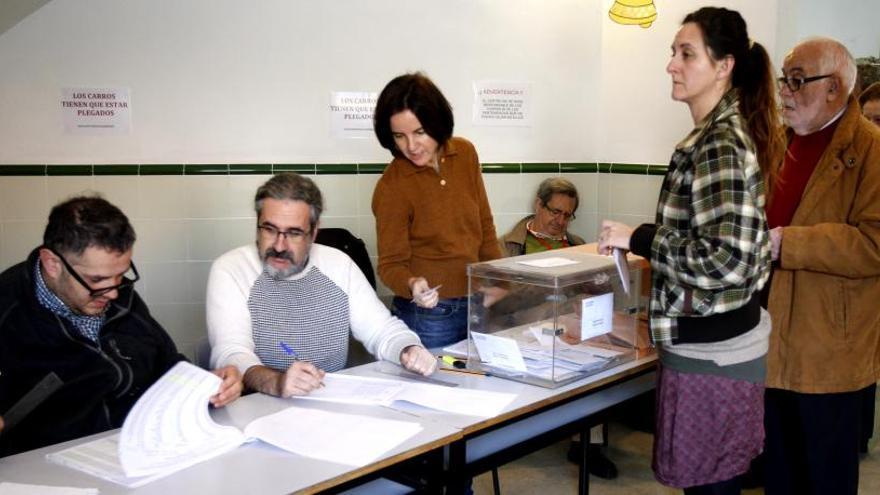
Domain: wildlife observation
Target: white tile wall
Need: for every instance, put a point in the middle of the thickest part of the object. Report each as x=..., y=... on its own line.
x=184, y=222
x=24, y=198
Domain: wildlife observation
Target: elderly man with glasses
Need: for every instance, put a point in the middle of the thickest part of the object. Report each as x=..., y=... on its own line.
x=555, y=204
x=824, y=217
x=280, y=309
x=71, y=309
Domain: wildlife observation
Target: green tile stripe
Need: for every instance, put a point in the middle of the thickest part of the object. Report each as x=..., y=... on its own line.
x=72, y=170
x=26, y=170
x=250, y=168
x=578, y=168
x=657, y=169
x=371, y=168
x=501, y=168
x=58, y=170
x=629, y=168
x=206, y=169
x=115, y=169
x=336, y=168
x=540, y=168
x=161, y=170
x=300, y=168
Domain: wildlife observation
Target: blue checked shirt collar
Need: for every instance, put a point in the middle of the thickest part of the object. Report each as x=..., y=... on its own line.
x=88, y=326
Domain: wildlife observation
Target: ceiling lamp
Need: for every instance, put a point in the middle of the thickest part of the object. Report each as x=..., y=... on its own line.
x=641, y=12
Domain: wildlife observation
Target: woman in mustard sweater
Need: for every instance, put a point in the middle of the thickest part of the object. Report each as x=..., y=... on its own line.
x=432, y=213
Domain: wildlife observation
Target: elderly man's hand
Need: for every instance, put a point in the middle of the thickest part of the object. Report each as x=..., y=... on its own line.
x=417, y=359
x=231, y=387
x=300, y=379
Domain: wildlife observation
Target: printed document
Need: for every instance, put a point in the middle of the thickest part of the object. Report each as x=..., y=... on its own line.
x=352, y=389
x=170, y=429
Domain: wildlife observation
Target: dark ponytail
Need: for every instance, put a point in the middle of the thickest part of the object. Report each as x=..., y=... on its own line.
x=725, y=33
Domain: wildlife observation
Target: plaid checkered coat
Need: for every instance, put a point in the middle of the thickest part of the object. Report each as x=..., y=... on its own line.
x=711, y=249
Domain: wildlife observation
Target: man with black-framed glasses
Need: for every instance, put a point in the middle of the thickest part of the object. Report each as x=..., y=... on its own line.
x=282, y=309
x=71, y=309
x=823, y=211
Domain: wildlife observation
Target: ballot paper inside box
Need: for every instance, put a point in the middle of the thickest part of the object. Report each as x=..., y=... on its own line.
x=552, y=318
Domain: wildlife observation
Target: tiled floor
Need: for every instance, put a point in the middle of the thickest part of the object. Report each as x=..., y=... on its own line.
x=547, y=472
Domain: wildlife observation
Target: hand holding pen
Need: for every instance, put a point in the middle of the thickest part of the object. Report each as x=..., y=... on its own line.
x=424, y=295
x=300, y=378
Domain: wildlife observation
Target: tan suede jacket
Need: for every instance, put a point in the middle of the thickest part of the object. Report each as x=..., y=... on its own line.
x=825, y=297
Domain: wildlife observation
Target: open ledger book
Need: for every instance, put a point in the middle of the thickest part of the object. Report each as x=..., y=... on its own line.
x=170, y=429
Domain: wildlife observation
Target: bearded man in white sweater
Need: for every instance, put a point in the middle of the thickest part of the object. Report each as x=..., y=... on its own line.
x=281, y=309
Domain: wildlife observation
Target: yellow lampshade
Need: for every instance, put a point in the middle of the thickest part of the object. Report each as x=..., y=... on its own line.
x=641, y=12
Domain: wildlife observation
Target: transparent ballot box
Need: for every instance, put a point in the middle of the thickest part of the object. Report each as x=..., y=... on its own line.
x=554, y=317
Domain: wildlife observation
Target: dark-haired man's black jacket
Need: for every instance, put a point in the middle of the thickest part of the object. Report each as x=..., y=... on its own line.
x=101, y=382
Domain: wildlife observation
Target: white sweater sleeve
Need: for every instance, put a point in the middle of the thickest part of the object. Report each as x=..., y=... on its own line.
x=383, y=335
x=229, y=321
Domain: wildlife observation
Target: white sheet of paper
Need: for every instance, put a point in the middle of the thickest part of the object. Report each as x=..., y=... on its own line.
x=466, y=401
x=619, y=256
x=349, y=439
x=169, y=426
x=596, y=315
x=502, y=352
x=458, y=349
x=352, y=389
x=549, y=262
x=101, y=458
x=7, y=488
x=543, y=339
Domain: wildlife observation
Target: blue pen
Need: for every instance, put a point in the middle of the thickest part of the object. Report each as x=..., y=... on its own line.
x=286, y=348
x=290, y=352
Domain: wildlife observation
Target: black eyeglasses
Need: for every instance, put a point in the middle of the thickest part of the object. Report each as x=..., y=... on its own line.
x=795, y=83
x=557, y=213
x=93, y=293
x=272, y=232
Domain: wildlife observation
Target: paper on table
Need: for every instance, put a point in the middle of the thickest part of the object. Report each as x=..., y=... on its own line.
x=169, y=425
x=343, y=438
x=353, y=389
x=170, y=429
x=101, y=458
x=501, y=352
x=550, y=262
x=458, y=349
x=7, y=488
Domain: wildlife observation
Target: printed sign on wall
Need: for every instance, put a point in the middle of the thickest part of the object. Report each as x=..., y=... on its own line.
x=502, y=103
x=351, y=114
x=96, y=110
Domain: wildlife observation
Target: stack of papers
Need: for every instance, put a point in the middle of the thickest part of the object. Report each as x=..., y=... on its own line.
x=170, y=429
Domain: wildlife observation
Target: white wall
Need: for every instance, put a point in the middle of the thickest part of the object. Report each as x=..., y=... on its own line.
x=227, y=81
x=855, y=23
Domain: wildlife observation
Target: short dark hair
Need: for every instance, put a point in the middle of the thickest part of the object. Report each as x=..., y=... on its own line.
x=88, y=221
x=418, y=94
x=557, y=185
x=870, y=93
x=290, y=186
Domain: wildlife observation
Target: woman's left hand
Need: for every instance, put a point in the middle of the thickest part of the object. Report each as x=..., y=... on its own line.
x=614, y=235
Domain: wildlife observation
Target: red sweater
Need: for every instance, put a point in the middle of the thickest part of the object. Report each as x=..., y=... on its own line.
x=800, y=160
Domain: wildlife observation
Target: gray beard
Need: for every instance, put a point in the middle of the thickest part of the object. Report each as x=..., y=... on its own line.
x=277, y=274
